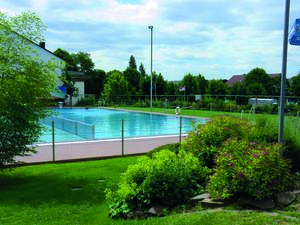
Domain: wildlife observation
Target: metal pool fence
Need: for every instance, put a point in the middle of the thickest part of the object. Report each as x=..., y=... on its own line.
x=87, y=131
x=81, y=129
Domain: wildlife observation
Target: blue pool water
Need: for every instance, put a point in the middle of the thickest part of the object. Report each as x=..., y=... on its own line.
x=87, y=124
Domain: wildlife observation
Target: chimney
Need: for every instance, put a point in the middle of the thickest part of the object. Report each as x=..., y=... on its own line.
x=43, y=44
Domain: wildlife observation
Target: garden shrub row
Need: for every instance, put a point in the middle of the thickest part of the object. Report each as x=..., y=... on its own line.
x=227, y=157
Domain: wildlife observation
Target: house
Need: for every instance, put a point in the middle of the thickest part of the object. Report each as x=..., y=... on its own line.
x=79, y=79
x=60, y=93
x=235, y=79
x=240, y=78
x=40, y=51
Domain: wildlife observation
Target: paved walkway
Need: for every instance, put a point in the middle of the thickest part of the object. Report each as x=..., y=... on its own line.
x=97, y=149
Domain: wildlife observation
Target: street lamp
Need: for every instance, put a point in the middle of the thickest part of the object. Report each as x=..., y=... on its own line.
x=151, y=28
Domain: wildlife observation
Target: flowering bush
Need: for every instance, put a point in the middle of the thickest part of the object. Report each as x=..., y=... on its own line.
x=249, y=167
x=204, y=141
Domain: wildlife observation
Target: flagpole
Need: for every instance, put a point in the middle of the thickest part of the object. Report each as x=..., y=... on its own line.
x=283, y=72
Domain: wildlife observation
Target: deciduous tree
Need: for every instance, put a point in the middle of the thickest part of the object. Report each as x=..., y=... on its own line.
x=26, y=81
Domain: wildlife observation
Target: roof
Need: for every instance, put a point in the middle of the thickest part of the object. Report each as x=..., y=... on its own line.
x=235, y=79
x=240, y=78
x=41, y=45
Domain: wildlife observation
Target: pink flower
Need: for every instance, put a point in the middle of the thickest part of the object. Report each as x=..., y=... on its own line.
x=254, y=155
x=241, y=175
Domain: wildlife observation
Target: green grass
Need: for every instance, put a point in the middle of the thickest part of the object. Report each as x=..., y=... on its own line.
x=42, y=194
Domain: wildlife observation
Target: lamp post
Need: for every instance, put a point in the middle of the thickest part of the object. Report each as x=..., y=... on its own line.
x=283, y=71
x=151, y=28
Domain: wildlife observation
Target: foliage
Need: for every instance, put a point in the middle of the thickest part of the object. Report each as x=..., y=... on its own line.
x=261, y=78
x=166, y=179
x=132, y=63
x=83, y=61
x=216, y=87
x=142, y=70
x=68, y=58
x=133, y=77
x=171, y=147
x=95, y=82
x=69, y=83
x=248, y=167
x=295, y=85
x=116, y=88
x=25, y=84
x=205, y=140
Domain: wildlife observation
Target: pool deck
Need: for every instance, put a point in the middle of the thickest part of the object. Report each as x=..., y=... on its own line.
x=84, y=150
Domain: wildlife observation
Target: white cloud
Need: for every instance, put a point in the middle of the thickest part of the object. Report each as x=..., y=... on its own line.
x=216, y=38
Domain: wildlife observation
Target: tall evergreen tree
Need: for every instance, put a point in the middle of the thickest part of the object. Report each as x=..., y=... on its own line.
x=132, y=62
x=142, y=70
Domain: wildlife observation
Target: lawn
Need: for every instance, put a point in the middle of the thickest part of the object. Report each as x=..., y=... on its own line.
x=42, y=194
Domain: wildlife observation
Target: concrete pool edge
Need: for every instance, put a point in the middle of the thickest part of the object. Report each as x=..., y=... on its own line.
x=89, y=150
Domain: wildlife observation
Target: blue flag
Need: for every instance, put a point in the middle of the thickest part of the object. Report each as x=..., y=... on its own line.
x=294, y=38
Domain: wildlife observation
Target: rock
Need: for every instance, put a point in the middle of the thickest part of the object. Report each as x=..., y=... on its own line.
x=156, y=210
x=245, y=200
x=137, y=214
x=296, y=207
x=195, y=200
x=261, y=204
x=264, y=204
x=211, y=203
x=297, y=194
x=285, y=198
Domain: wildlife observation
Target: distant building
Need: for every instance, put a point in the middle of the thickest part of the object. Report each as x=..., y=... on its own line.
x=240, y=78
x=235, y=79
x=79, y=78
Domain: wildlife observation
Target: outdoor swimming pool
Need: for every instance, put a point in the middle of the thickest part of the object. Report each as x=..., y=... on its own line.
x=79, y=124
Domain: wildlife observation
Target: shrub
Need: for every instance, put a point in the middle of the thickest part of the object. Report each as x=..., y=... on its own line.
x=204, y=141
x=171, y=147
x=166, y=179
x=248, y=167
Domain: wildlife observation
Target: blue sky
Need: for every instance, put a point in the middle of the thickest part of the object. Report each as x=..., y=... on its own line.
x=216, y=38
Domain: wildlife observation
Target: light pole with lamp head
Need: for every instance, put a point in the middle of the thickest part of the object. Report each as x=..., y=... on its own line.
x=151, y=28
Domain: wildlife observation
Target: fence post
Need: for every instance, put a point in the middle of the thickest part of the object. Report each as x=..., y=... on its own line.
x=122, y=137
x=93, y=132
x=180, y=127
x=53, y=141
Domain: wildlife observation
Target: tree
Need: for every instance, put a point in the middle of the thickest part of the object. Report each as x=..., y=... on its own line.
x=160, y=85
x=256, y=89
x=258, y=75
x=116, y=88
x=132, y=62
x=68, y=58
x=69, y=83
x=95, y=83
x=190, y=83
x=25, y=83
x=133, y=78
x=295, y=85
x=83, y=62
x=217, y=87
x=142, y=70
x=202, y=84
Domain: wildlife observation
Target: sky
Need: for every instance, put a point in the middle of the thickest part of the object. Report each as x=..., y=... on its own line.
x=214, y=38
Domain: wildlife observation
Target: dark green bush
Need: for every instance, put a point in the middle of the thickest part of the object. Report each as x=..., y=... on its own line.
x=248, y=167
x=166, y=179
